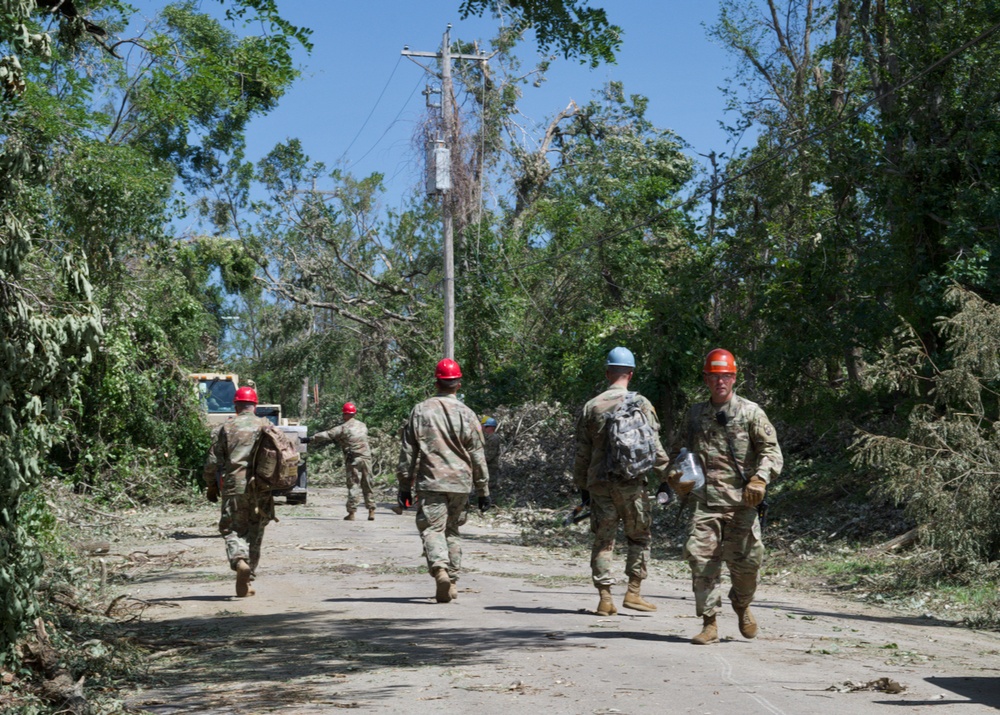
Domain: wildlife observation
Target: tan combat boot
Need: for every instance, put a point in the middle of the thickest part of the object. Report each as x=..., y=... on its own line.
x=243, y=579
x=443, y=582
x=748, y=624
x=350, y=516
x=605, y=607
x=371, y=514
x=709, y=632
x=453, y=591
x=632, y=598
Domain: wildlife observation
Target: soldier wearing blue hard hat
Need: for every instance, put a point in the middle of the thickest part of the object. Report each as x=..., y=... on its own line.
x=620, y=357
x=613, y=496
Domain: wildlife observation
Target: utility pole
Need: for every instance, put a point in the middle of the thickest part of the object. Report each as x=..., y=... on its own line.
x=441, y=184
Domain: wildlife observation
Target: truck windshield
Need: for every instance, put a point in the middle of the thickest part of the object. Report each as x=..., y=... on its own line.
x=217, y=395
x=271, y=414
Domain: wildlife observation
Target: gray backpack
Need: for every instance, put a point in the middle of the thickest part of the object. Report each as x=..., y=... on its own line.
x=630, y=442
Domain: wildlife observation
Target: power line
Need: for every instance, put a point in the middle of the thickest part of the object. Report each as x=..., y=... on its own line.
x=381, y=94
x=391, y=124
x=697, y=196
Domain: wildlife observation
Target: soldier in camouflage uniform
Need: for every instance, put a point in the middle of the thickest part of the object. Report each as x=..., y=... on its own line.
x=352, y=436
x=443, y=451
x=244, y=513
x=613, y=502
x=725, y=525
x=492, y=451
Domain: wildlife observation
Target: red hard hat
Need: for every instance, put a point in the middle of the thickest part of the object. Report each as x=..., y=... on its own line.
x=720, y=361
x=448, y=369
x=246, y=394
x=350, y=409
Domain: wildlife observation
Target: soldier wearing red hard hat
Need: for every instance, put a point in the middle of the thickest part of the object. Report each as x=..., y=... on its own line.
x=442, y=454
x=737, y=450
x=352, y=436
x=245, y=514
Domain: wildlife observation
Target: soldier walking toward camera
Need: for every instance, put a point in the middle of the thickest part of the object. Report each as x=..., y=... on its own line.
x=443, y=451
x=738, y=450
x=352, y=436
x=245, y=513
x=613, y=482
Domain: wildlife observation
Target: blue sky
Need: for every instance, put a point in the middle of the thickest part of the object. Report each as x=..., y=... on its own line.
x=666, y=55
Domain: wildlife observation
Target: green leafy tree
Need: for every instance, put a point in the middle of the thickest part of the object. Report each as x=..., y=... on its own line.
x=594, y=260
x=576, y=30
x=48, y=330
x=85, y=192
x=943, y=468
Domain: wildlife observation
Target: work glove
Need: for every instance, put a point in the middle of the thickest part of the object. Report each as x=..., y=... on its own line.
x=664, y=494
x=584, y=497
x=405, y=498
x=212, y=493
x=305, y=440
x=681, y=489
x=753, y=492
x=484, y=504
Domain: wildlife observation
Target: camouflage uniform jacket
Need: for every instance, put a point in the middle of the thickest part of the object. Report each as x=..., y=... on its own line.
x=588, y=469
x=491, y=449
x=754, y=443
x=352, y=436
x=232, y=442
x=443, y=448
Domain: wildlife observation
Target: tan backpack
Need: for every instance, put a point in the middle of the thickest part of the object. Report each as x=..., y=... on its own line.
x=274, y=461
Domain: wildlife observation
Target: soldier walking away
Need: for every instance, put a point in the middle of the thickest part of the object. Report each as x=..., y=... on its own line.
x=442, y=450
x=613, y=481
x=738, y=450
x=352, y=436
x=245, y=513
x=492, y=451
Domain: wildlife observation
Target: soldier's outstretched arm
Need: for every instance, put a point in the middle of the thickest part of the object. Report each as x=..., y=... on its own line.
x=321, y=439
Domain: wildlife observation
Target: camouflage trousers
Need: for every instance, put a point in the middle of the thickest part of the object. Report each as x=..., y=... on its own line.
x=439, y=514
x=717, y=534
x=359, y=479
x=244, y=517
x=609, y=505
x=494, y=469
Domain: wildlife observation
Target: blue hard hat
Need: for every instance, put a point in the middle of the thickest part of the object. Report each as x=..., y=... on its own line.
x=489, y=422
x=620, y=357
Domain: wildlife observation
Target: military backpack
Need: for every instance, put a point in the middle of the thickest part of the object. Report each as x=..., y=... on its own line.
x=274, y=461
x=630, y=450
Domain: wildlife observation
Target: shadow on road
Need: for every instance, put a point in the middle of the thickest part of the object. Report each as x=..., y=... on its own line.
x=293, y=646
x=980, y=691
x=848, y=616
x=631, y=635
x=384, y=599
x=206, y=599
x=184, y=535
x=537, y=611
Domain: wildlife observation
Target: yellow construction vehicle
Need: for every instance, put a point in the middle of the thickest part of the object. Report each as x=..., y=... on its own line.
x=216, y=391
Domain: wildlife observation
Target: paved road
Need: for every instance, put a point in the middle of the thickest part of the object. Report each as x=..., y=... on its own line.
x=344, y=618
